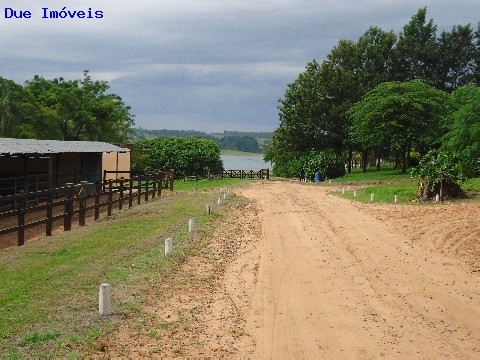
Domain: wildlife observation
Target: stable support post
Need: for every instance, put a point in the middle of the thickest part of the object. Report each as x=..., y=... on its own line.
x=168, y=246
x=396, y=199
x=437, y=198
x=372, y=197
x=354, y=193
x=191, y=225
x=208, y=209
x=219, y=201
x=104, y=299
x=343, y=191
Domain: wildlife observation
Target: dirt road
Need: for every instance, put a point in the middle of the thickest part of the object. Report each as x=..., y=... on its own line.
x=310, y=275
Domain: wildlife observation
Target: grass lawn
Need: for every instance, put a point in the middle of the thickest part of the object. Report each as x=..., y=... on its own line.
x=395, y=183
x=49, y=288
x=387, y=172
x=205, y=184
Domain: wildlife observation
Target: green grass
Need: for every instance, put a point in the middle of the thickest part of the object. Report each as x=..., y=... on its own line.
x=387, y=172
x=206, y=185
x=395, y=183
x=383, y=193
x=239, y=153
x=49, y=287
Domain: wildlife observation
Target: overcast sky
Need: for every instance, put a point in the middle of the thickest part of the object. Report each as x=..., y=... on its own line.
x=195, y=64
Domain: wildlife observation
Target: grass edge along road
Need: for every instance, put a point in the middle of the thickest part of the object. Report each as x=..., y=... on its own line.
x=387, y=183
x=49, y=287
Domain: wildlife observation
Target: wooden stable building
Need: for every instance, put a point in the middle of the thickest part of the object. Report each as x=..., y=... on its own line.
x=32, y=165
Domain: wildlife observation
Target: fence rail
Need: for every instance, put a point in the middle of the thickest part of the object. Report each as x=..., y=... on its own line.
x=76, y=199
x=233, y=174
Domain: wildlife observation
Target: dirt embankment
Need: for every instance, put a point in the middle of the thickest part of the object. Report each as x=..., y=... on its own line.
x=300, y=273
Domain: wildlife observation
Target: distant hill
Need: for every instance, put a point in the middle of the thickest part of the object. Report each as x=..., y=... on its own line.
x=228, y=140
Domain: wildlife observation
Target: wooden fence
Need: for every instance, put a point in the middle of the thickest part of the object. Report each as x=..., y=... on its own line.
x=246, y=174
x=233, y=174
x=77, y=199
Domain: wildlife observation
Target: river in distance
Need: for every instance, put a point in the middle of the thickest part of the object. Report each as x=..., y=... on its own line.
x=244, y=162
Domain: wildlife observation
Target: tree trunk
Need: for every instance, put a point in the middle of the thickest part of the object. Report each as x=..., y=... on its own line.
x=404, y=160
x=378, y=160
x=350, y=155
x=409, y=150
x=364, y=160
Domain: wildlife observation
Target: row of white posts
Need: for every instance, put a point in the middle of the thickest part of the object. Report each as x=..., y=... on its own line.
x=104, y=292
x=372, y=196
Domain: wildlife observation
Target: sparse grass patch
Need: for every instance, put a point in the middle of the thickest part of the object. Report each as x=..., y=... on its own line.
x=206, y=184
x=49, y=288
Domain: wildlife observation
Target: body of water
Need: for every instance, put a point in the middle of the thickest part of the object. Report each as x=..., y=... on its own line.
x=236, y=162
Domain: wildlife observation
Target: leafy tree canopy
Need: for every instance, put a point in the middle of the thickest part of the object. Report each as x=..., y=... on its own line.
x=187, y=156
x=64, y=110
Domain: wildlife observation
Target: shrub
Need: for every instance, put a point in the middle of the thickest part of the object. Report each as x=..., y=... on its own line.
x=187, y=156
x=329, y=163
x=444, y=172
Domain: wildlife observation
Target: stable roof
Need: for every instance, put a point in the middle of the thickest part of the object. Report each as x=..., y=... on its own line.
x=10, y=146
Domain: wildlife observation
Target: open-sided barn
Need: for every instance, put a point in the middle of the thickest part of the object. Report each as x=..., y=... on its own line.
x=30, y=165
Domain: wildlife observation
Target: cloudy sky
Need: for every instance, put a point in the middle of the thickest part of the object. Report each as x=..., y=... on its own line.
x=206, y=65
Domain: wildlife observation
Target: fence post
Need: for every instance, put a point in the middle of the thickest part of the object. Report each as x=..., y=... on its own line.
x=21, y=217
x=139, y=189
x=82, y=203
x=154, y=185
x=130, y=192
x=160, y=179
x=48, y=230
x=146, y=186
x=110, y=197
x=120, y=197
x=98, y=190
x=172, y=178
x=67, y=217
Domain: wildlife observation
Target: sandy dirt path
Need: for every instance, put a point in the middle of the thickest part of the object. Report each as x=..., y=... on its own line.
x=338, y=279
x=296, y=272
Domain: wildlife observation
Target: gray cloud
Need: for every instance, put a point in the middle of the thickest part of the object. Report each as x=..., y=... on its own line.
x=192, y=64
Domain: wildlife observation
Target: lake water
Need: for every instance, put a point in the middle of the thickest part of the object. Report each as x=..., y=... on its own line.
x=235, y=162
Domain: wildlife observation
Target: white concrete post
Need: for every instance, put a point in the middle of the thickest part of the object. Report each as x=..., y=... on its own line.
x=343, y=191
x=208, y=210
x=437, y=198
x=168, y=246
x=224, y=195
x=372, y=197
x=228, y=191
x=348, y=187
x=221, y=190
x=354, y=193
x=104, y=299
x=191, y=225
x=219, y=201
x=396, y=199
x=329, y=181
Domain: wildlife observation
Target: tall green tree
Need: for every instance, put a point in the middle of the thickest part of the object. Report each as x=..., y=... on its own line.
x=10, y=107
x=82, y=108
x=456, y=61
x=401, y=114
x=463, y=134
x=417, y=49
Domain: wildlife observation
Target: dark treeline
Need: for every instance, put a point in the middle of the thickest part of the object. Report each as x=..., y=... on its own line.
x=383, y=97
